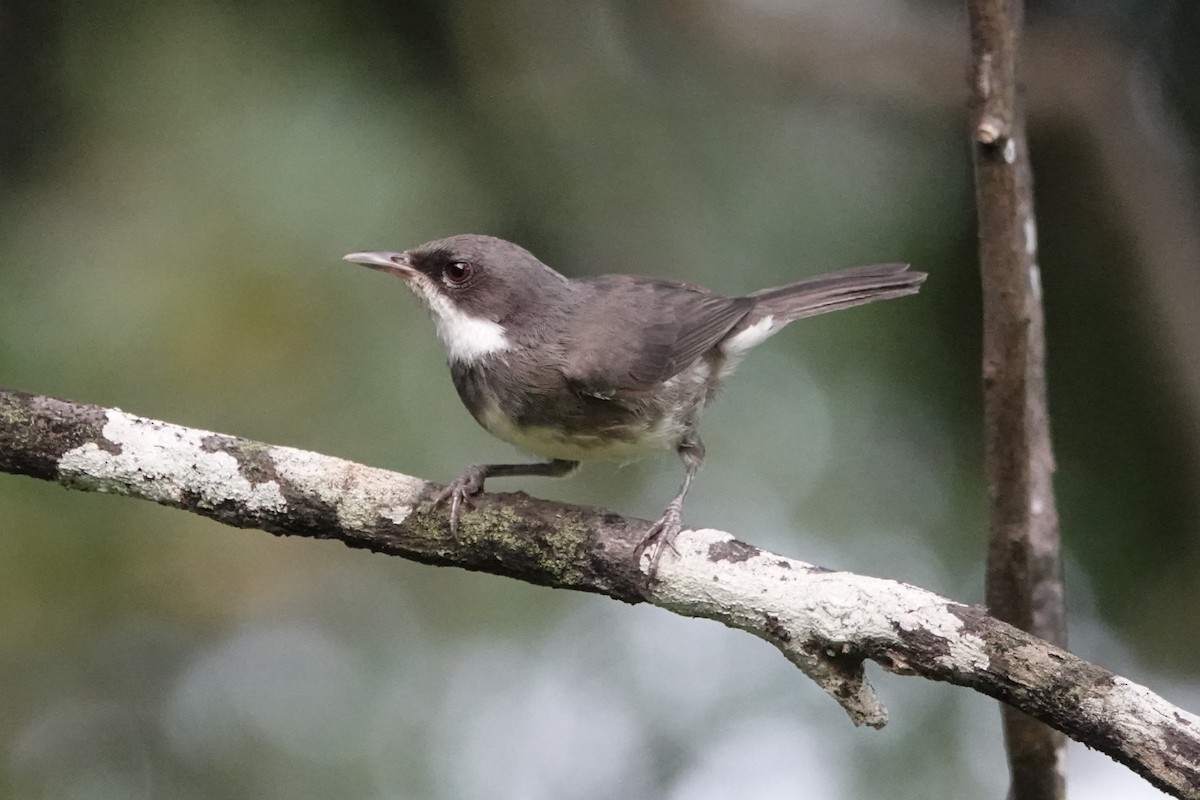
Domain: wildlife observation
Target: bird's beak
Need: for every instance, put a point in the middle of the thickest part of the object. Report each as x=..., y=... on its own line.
x=397, y=264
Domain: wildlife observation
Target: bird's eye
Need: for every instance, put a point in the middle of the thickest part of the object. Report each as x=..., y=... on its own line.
x=457, y=272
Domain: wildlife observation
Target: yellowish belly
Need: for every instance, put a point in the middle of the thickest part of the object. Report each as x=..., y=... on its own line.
x=629, y=445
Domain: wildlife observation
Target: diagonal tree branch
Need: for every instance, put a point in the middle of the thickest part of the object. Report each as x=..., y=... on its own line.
x=827, y=623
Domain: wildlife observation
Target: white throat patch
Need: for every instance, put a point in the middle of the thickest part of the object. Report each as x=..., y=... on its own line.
x=466, y=338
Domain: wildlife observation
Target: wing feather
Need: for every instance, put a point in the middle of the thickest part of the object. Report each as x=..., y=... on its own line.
x=661, y=328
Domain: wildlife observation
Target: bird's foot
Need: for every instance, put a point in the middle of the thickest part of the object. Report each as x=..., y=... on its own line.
x=661, y=536
x=459, y=491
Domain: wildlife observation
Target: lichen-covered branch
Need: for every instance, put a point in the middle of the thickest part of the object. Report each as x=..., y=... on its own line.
x=827, y=623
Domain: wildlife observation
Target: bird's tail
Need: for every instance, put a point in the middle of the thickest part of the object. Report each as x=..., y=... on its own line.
x=774, y=308
x=836, y=290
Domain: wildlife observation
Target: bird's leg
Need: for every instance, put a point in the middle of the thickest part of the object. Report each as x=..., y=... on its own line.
x=662, y=533
x=470, y=481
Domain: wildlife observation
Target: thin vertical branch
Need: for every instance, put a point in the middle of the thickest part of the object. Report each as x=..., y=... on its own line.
x=1024, y=569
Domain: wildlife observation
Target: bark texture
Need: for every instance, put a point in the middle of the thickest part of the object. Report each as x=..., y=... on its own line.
x=1024, y=565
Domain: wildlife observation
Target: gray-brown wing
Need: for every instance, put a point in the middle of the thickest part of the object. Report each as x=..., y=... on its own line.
x=634, y=333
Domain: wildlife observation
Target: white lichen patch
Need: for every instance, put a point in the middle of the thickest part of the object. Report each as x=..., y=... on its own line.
x=809, y=604
x=359, y=494
x=1147, y=715
x=163, y=462
x=1155, y=732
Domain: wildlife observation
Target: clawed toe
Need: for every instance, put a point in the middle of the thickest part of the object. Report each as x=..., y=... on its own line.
x=660, y=537
x=459, y=491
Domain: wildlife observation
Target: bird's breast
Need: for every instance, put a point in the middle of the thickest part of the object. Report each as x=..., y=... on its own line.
x=539, y=412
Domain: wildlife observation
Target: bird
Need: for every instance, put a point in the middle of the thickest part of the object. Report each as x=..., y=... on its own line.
x=604, y=368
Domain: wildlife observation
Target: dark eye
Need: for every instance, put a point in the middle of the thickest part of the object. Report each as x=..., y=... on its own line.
x=457, y=272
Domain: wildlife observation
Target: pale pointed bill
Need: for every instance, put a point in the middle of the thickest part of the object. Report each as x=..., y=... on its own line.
x=393, y=263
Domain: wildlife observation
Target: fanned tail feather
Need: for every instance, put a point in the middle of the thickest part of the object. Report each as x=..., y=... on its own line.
x=774, y=308
x=837, y=290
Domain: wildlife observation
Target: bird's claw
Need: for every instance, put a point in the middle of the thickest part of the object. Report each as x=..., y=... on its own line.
x=660, y=537
x=459, y=491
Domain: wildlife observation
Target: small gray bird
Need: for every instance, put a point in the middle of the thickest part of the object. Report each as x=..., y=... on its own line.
x=606, y=368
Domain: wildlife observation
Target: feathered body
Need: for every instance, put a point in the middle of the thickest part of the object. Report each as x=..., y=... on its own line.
x=605, y=368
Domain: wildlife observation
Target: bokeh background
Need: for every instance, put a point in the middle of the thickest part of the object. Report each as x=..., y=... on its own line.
x=178, y=182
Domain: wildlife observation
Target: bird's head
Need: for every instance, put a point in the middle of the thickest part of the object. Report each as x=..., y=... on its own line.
x=474, y=286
